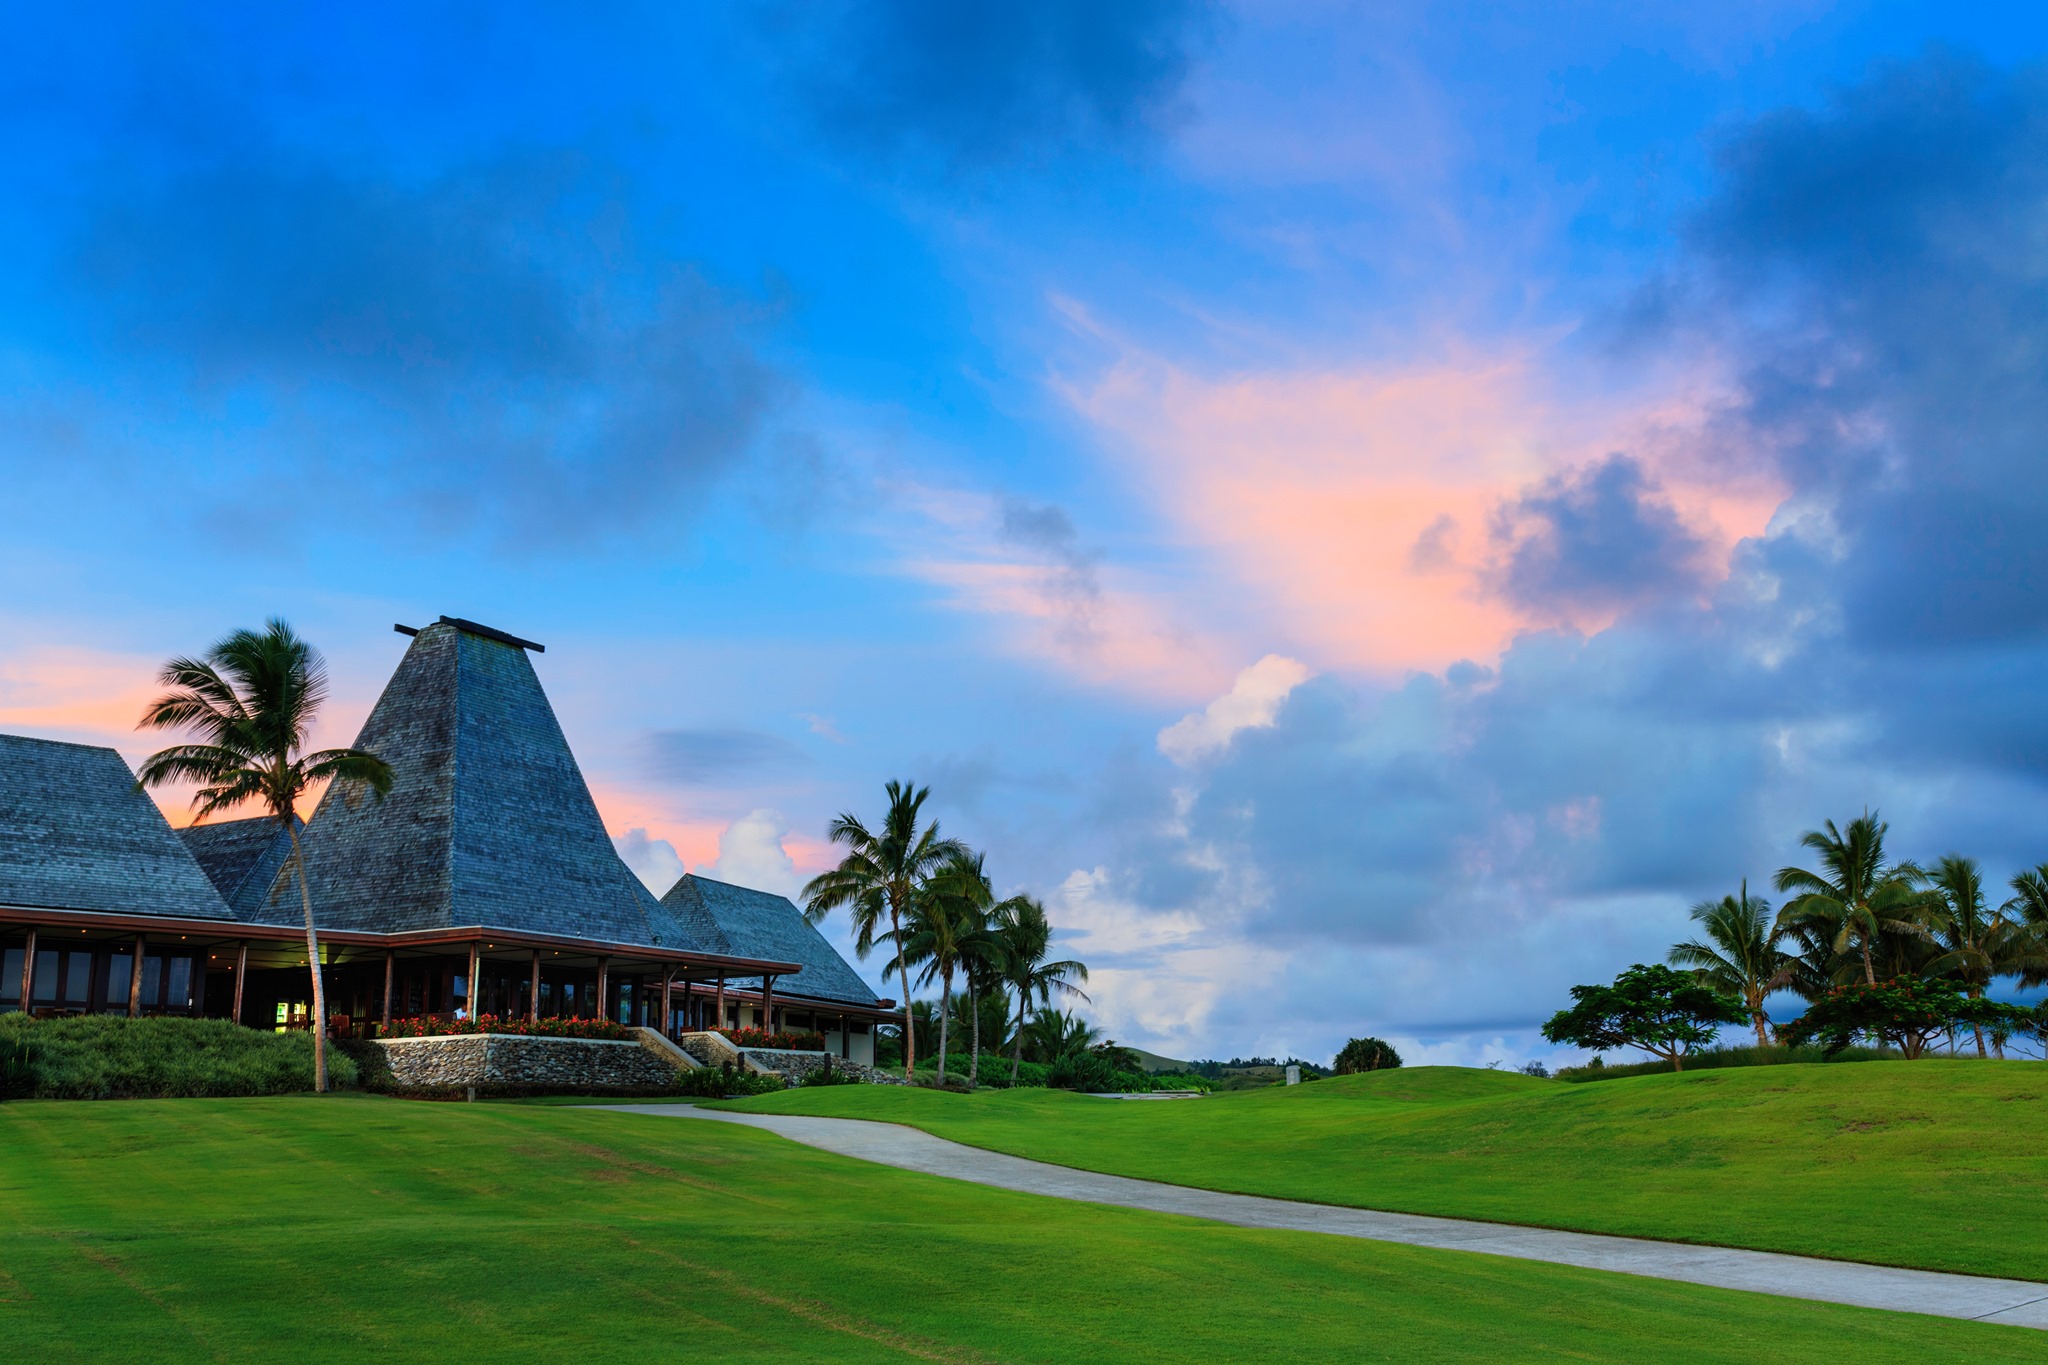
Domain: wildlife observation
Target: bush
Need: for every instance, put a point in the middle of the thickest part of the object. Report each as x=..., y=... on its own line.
x=1366, y=1054
x=830, y=1074
x=774, y=1042
x=1752, y=1055
x=954, y=1082
x=1093, y=1071
x=17, y=1067
x=92, y=1057
x=517, y=1025
x=720, y=1083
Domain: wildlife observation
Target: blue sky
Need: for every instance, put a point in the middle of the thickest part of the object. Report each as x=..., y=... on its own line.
x=1369, y=511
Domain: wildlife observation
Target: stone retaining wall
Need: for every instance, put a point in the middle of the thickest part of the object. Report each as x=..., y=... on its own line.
x=496, y=1059
x=797, y=1065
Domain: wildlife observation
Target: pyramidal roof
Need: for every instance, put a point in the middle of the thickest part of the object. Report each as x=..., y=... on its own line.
x=488, y=822
x=761, y=924
x=76, y=833
x=242, y=858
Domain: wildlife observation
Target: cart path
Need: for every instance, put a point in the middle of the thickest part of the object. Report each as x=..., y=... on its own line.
x=2020, y=1303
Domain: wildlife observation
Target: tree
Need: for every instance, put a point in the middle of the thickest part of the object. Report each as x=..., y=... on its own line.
x=1366, y=1054
x=252, y=699
x=1740, y=954
x=946, y=914
x=1653, y=1008
x=1052, y=1034
x=1024, y=938
x=1905, y=1012
x=1857, y=897
x=879, y=877
x=1979, y=943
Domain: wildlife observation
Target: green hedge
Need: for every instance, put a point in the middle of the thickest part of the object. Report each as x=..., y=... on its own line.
x=98, y=1057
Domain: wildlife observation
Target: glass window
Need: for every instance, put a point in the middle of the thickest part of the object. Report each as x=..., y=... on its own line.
x=77, y=977
x=45, y=987
x=120, y=968
x=152, y=981
x=179, y=996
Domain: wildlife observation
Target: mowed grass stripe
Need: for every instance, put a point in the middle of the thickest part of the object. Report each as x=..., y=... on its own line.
x=1937, y=1165
x=357, y=1228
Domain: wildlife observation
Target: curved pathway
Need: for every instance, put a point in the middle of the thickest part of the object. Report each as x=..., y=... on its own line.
x=2020, y=1303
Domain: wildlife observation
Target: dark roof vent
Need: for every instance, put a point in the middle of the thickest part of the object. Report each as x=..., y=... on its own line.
x=473, y=628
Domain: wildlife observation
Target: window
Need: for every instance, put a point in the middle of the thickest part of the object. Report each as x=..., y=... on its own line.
x=77, y=978
x=120, y=967
x=44, y=990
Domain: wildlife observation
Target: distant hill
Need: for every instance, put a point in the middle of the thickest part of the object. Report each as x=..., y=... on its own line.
x=1154, y=1063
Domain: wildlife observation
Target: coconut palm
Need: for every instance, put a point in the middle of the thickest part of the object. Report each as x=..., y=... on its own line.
x=1052, y=1034
x=1857, y=898
x=946, y=915
x=252, y=699
x=2027, y=910
x=1740, y=954
x=1025, y=937
x=879, y=877
x=1977, y=942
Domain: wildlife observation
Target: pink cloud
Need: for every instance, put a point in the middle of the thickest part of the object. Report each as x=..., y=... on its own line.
x=1356, y=502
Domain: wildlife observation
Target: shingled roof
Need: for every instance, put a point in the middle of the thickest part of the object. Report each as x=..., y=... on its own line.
x=762, y=925
x=76, y=834
x=242, y=858
x=488, y=822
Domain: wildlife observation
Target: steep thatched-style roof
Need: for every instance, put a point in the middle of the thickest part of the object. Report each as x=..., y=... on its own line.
x=243, y=860
x=760, y=924
x=488, y=822
x=77, y=834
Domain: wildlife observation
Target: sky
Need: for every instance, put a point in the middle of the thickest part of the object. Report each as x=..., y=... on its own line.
x=1368, y=511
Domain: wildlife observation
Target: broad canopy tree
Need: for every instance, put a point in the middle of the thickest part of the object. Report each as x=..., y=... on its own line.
x=252, y=699
x=1366, y=1054
x=1906, y=1013
x=1660, y=1011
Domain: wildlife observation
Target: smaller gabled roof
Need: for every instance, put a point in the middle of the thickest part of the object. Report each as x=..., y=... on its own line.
x=242, y=858
x=76, y=833
x=760, y=924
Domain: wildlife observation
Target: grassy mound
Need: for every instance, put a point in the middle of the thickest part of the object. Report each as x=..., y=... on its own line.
x=1929, y=1164
x=395, y=1231
x=97, y=1057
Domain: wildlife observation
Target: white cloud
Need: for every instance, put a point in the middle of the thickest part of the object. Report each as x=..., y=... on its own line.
x=750, y=853
x=1253, y=702
x=654, y=861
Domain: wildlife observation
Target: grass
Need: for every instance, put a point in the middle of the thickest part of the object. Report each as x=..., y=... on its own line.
x=1935, y=1165
x=359, y=1228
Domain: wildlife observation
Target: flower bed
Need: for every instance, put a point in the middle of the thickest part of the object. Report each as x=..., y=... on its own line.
x=514, y=1025
x=781, y=1042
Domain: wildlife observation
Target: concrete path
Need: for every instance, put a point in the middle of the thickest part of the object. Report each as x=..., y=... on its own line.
x=2020, y=1303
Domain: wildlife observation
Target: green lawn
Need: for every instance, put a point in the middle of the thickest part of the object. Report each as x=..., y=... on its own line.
x=1938, y=1164
x=364, y=1228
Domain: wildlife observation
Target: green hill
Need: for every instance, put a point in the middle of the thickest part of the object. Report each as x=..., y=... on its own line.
x=1936, y=1164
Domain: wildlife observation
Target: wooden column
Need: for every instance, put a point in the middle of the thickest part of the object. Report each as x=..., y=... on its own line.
x=767, y=1002
x=135, y=982
x=718, y=1006
x=28, y=969
x=604, y=981
x=476, y=980
x=845, y=1039
x=241, y=975
x=668, y=982
x=390, y=971
x=533, y=991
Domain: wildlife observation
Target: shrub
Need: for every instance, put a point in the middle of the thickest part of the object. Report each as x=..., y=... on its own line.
x=90, y=1057
x=428, y=1027
x=955, y=1082
x=721, y=1083
x=1093, y=1071
x=778, y=1042
x=1366, y=1054
x=17, y=1067
x=1751, y=1055
x=829, y=1074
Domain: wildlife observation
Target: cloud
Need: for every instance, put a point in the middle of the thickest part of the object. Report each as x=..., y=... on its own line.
x=694, y=757
x=750, y=853
x=972, y=86
x=654, y=861
x=1252, y=702
x=489, y=346
x=1592, y=541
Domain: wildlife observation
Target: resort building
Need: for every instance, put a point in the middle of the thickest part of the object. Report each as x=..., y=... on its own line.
x=482, y=884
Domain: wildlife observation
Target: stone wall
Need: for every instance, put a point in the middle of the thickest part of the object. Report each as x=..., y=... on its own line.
x=797, y=1065
x=497, y=1060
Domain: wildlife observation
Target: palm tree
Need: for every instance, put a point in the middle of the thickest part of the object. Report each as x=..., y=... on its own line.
x=252, y=699
x=1053, y=1033
x=1741, y=953
x=879, y=876
x=946, y=914
x=1025, y=938
x=1858, y=897
x=981, y=957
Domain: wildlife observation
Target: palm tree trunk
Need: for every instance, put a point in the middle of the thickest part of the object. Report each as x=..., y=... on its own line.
x=1017, y=1044
x=945, y=1008
x=1869, y=972
x=974, y=1010
x=313, y=964
x=903, y=970
x=1756, y=1016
